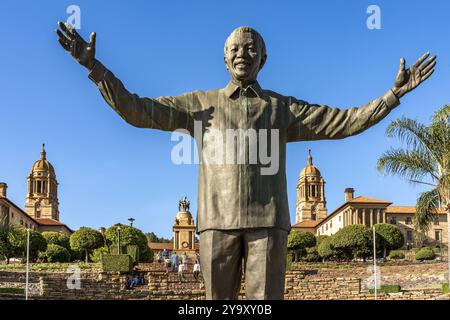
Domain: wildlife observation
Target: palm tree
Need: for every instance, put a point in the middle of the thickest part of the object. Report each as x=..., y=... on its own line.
x=425, y=161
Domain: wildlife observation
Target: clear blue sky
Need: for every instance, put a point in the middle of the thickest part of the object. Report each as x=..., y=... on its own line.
x=318, y=51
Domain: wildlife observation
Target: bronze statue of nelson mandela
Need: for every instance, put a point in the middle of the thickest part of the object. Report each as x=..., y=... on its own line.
x=243, y=215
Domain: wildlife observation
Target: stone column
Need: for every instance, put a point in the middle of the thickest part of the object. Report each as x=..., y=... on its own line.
x=363, y=213
x=371, y=217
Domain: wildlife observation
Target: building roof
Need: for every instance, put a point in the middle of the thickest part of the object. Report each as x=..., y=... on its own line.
x=407, y=210
x=307, y=224
x=38, y=221
x=357, y=200
x=363, y=199
x=43, y=165
x=310, y=169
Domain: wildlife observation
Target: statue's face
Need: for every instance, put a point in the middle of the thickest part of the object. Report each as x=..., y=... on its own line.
x=243, y=56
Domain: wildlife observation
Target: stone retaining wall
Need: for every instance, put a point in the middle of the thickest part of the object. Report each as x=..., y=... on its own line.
x=303, y=282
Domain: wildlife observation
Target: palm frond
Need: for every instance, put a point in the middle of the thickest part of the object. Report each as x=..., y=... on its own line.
x=412, y=165
x=426, y=209
x=442, y=114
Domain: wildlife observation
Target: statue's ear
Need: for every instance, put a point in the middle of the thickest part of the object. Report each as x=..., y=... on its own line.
x=225, y=61
x=263, y=61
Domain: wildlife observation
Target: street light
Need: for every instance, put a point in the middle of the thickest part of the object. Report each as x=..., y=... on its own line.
x=131, y=221
x=118, y=238
x=28, y=264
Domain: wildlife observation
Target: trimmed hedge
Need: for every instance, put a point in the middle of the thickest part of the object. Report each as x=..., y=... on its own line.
x=133, y=251
x=113, y=249
x=425, y=254
x=445, y=288
x=12, y=290
x=396, y=255
x=387, y=288
x=117, y=263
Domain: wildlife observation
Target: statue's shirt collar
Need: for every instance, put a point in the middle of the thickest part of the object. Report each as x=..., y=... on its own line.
x=233, y=89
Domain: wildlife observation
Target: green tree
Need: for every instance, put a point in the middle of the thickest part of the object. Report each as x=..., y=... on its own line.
x=298, y=241
x=352, y=241
x=86, y=240
x=6, y=250
x=17, y=239
x=152, y=237
x=424, y=161
x=325, y=249
x=130, y=236
x=57, y=238
x=391, y=237
x=56, y=253
x=96, y=255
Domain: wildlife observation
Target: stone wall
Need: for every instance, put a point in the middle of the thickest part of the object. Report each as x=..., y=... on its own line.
x=303, y=282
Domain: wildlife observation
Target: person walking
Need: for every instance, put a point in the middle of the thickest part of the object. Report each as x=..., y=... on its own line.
x=174, y=259
x=196, y=270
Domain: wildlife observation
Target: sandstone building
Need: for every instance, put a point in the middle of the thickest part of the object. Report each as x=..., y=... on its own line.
x=311, y=212
x=41, y=204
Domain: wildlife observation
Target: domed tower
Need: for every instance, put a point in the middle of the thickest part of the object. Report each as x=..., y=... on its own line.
x=42, y=196
x=183, y=228
x=311, y=204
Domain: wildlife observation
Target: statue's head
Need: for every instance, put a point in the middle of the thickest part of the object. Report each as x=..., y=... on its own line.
x=244, y=54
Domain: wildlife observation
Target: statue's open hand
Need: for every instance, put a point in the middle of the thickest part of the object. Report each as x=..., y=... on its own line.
x=82, y=51
x=408, y=79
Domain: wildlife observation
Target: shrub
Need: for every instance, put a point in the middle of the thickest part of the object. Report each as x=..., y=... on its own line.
x=425, y=254
x=96, y=255
x=353, y=241
x=445, y=288
x=312, y=255
x=117, y=263
x=86, y=239
x=289, y=260
x=57, y=238
x=387, y=288
x=147, y=255
x=396, y=255
x=56, y=253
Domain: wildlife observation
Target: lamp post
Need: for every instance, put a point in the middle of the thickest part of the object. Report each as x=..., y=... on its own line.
x=28, y=263
x=375, y=261
x=131, y=221
x=118, y=238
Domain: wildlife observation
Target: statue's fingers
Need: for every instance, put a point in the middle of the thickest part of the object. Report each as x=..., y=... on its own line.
x=427, y=69
x=62, y=35
x=427, y=63
x=65, y=45
x=421, y=59
x=427, y=75
x=92, y=40
x=402, y=64
x=65, y=30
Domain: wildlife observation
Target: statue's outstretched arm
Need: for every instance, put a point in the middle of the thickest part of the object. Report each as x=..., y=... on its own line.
x=164, y=113
x=316, y=122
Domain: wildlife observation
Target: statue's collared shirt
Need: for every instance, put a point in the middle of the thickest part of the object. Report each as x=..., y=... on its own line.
x=235, y=194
